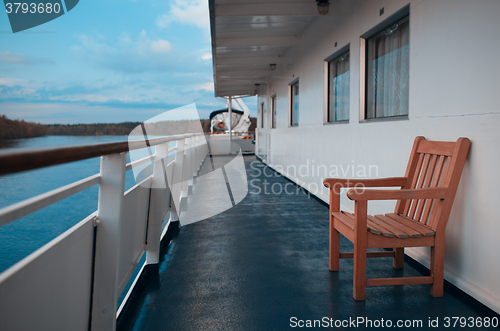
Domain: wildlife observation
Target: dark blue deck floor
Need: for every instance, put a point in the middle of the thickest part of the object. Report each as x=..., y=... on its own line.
x=265, y=261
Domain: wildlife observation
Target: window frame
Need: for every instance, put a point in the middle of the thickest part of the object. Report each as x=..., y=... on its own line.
x=291, y=107
x=397, y=17
x=335, y=56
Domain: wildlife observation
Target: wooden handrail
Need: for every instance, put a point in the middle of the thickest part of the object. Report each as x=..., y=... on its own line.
x=23, y=160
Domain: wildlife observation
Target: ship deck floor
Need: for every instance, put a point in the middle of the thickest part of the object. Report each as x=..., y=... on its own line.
x=264, y=262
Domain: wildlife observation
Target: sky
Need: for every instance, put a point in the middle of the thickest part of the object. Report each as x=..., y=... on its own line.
x=110, y=61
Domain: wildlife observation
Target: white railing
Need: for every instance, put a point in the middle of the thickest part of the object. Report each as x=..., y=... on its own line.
x=73, y=282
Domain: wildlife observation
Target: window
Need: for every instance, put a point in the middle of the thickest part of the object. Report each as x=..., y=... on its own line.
x=387, y=71
x=273, y=111
x=294, y=103
x=262, y=115
x=338, y=88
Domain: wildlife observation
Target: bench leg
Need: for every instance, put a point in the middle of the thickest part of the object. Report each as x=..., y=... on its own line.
x=398, y=261
x=359, y=283
x=360, y=245
x=437, y=269
x=334, y=247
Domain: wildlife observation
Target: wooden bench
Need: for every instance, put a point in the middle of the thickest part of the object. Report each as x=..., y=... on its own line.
x=424, y=204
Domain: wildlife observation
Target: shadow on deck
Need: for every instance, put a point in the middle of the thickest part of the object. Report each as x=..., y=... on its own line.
x=265, y=261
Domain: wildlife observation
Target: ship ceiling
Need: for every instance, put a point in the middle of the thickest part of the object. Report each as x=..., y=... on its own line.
x=248, y=36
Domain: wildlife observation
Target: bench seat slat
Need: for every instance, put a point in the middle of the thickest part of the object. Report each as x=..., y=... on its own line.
x=373, y=227
x=388, y=228
x=388, y=225
x=409, y=231
x=420, y=227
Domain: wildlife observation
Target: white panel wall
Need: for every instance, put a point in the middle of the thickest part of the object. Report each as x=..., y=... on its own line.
x=133, y=231
x=454, y=92
x=51, y=288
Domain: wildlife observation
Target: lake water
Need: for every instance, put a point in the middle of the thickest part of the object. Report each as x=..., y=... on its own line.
x=22, y=237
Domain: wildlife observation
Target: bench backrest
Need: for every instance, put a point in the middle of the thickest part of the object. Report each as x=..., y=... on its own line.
x=433, y=164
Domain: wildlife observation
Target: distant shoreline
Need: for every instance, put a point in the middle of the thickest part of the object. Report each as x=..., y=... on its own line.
x=19, y=129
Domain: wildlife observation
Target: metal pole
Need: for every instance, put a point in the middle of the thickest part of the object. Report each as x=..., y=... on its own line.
x=229, y=111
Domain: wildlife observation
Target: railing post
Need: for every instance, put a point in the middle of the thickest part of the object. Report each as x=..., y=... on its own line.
x=176, y=186
x=187, y=172
x=196, y=151
x=156, y=202
x=199, y=157
x=230, y=118
x=194, y=167
x=206, y=149
x=107, y=242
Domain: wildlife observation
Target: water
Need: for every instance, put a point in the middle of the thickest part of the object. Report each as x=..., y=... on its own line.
x=22, y=237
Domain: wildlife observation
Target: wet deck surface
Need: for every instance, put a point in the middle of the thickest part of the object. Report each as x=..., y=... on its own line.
x=265, y=261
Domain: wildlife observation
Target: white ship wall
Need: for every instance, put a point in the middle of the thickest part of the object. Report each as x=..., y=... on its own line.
x=454, y=92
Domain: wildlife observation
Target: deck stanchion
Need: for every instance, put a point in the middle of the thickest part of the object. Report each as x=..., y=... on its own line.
x=156, y=202
x=190, y=156
x=201, y=154
x=196, y=157
x=176, y=187
x=198, y=153
x=229, y=112
x=186, y=173
x=107, y=243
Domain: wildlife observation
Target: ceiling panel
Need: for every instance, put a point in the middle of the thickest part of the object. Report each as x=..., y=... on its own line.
x=248, y=35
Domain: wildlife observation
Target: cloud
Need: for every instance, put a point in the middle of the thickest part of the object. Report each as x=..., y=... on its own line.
x=207, y=57
x=17, y=92
x=144, y=93
x=141, y=54
x=76, y=113
x=10, y=81
x=88, y=98
x=209, y=86
x=8, y=57
x=14, y=58
x=142, y=46
x=96, y=47
x=128, y=54
x=189, y=12
x=161, y=46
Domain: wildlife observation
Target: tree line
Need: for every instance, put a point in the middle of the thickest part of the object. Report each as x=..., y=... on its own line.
x=16, y=129
x=10, y=129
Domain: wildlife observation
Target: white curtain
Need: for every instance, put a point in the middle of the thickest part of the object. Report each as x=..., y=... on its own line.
x=295, y=107
x=339, y=89
x=388, y=72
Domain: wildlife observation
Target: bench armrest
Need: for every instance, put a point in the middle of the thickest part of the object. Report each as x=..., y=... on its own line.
x=359, y=183
x=421, y=193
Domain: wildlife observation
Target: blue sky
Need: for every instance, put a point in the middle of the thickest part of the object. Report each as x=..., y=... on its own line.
x=109, y=61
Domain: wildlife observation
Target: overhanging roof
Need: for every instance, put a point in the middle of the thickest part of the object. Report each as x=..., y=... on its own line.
x=249, y=35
